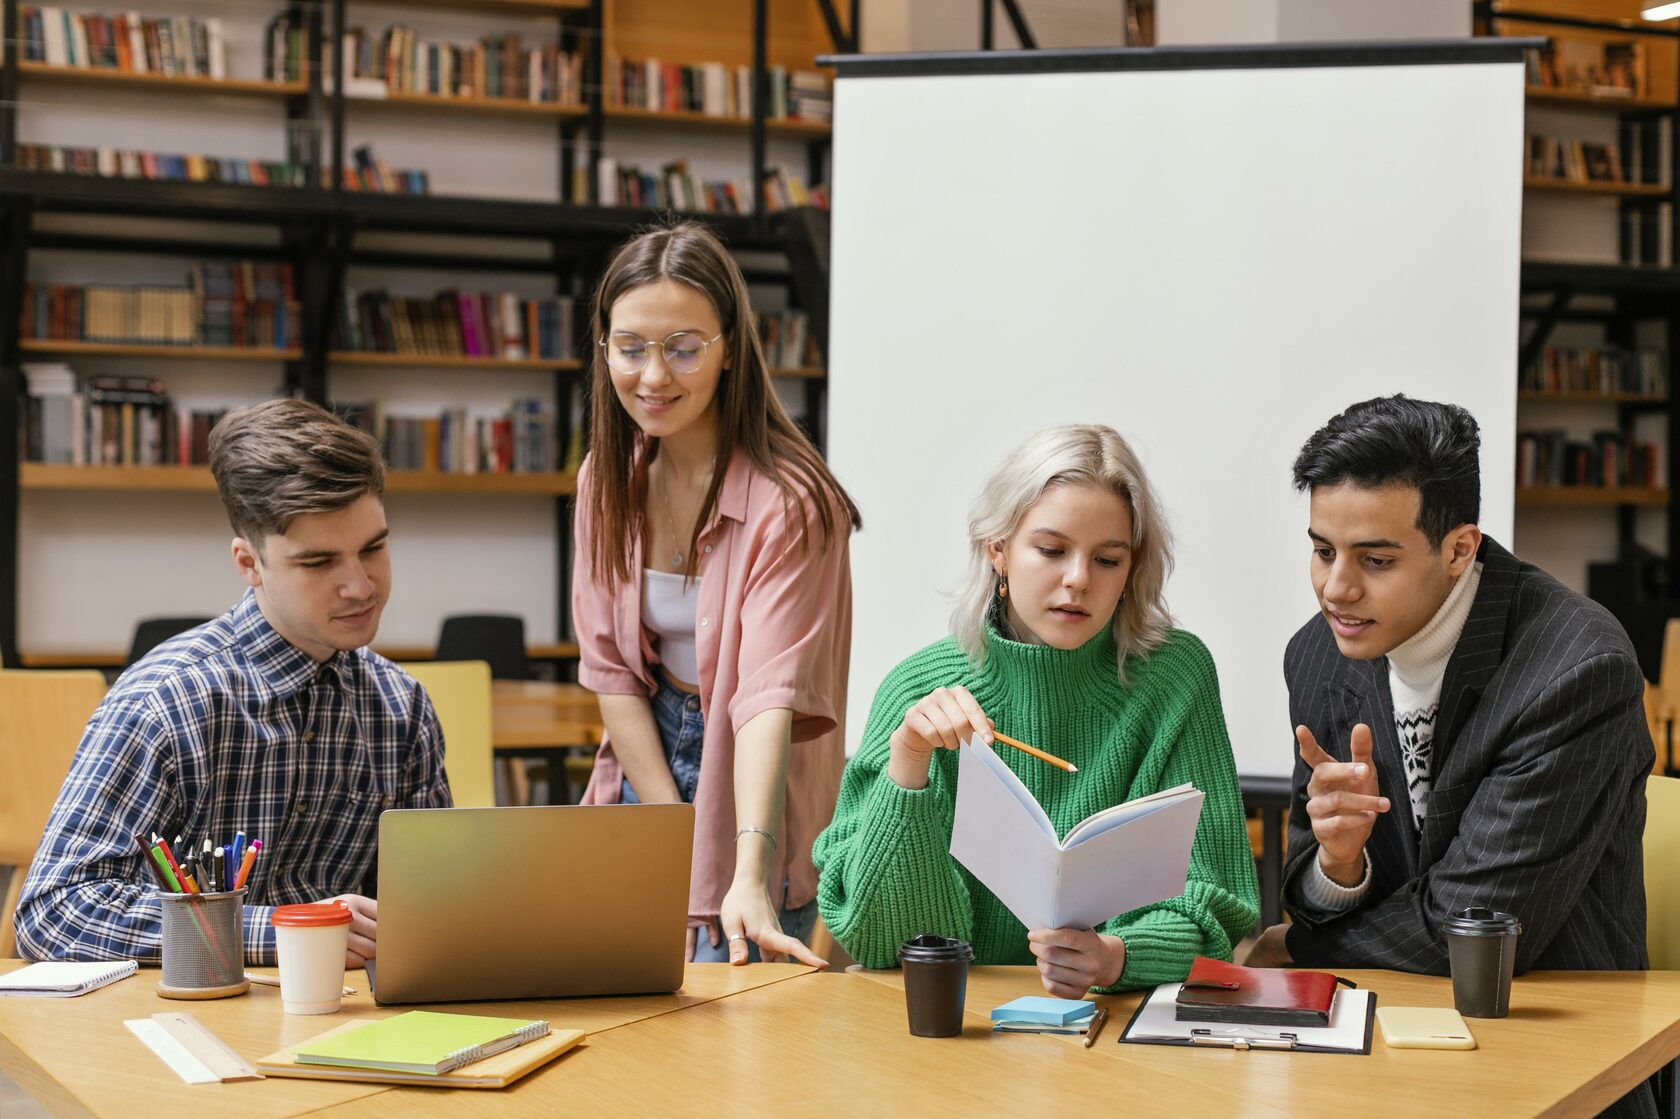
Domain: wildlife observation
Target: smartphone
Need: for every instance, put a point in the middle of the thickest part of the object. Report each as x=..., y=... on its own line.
x=1423, y=1027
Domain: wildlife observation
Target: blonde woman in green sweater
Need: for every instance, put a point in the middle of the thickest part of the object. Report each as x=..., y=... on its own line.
x=1060, y=637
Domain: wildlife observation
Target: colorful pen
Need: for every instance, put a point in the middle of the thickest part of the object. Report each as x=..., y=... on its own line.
x=236, y=854
x=174, y=867
x=168, y=876
x=245, y=866
x=146, y=857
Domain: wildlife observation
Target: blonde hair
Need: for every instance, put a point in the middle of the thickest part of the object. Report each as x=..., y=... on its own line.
x=1074, y=455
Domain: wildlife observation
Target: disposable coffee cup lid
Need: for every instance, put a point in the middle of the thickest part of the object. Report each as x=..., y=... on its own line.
x=931, y=948
x=1480, y=921
x=311, y=915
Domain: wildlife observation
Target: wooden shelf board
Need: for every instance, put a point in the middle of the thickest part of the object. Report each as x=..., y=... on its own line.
x=499, y=106
x=1578, y=99
x=195, y=353
x=1613, y=190
x=658, y=116
x=159, y=479
x=455, y=361
x=1589, y=397
x=1589, y=495
x=243, y=87
x=60, y=658
x=809, y=373
x=434, y=481
x=197, y=479
x=532, y=7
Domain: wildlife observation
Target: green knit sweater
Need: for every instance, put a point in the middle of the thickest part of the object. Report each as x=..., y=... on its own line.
x=887, y=871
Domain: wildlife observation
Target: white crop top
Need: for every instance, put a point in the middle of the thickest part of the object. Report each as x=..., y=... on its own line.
x=669, y=608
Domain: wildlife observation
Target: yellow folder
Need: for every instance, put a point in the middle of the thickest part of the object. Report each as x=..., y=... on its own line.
x=496, y=1071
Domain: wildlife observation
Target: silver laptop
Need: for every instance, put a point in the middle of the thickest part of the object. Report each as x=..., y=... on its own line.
x=541, y=902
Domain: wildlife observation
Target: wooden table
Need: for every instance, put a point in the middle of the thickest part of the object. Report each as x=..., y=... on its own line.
x=559, y=723
x=779, y=1040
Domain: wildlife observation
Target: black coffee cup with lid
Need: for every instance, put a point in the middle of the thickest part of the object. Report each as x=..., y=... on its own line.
x=1482, y=945
x=935, y=983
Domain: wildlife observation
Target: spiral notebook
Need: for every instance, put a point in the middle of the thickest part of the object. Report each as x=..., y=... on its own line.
x=424, y=1042
x=62, y=979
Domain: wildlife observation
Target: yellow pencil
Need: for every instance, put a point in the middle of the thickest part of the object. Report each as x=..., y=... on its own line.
x=1035, y=752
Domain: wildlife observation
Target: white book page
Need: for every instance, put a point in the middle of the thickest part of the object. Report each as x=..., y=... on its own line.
x=1003, y=837
x=1134, y=863
x=1110, y=817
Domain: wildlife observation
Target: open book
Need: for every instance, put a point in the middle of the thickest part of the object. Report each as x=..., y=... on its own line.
x=1112, y=862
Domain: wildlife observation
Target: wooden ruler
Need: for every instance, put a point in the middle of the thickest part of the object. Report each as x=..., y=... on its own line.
x=205, y=1047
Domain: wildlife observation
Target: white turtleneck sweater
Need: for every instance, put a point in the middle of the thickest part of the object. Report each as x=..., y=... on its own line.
x=1416, y=668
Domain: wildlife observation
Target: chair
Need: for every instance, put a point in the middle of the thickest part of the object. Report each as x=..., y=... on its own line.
x=496, y=639
x=1662, y=855
x=42, y=717
x=1663, y=708
x=149, y=633
x=460, y=692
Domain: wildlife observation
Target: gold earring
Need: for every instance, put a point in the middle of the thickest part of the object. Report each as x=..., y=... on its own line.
x=1003, y=586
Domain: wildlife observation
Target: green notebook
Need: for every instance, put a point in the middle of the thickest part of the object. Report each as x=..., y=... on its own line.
x=421, y=1041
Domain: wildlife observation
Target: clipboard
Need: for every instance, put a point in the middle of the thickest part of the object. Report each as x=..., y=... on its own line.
x=1352, y=1019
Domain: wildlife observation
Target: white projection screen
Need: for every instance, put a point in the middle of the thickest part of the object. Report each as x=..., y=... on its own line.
x=1213, y=251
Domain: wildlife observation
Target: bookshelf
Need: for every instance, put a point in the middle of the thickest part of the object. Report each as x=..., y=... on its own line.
x=1609, y=296
x=325, y=231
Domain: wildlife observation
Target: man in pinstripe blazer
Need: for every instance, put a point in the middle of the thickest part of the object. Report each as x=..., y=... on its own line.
x=1470, y=731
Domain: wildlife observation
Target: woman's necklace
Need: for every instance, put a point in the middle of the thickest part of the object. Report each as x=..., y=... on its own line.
x=678, y=555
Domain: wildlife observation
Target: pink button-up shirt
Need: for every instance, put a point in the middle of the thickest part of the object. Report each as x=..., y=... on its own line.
x=774, y=629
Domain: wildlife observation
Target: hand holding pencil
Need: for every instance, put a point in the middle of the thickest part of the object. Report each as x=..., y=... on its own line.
x=941, y=720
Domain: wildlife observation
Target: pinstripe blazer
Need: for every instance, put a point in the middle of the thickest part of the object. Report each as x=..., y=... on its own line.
x=1538, y=800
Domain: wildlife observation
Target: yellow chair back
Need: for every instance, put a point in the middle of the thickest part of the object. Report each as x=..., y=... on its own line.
x=1662, y=884
x=42, y=717
x=460, y=692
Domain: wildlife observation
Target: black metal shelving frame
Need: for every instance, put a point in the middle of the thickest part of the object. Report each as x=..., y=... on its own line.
x=318, y=226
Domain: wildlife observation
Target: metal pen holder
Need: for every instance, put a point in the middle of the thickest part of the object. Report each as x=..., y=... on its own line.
x=203, y=945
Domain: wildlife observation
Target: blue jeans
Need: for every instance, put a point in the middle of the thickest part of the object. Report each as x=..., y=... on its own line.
x=682, y=731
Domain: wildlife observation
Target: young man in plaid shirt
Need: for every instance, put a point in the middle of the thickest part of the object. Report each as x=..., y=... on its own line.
x=273, y=719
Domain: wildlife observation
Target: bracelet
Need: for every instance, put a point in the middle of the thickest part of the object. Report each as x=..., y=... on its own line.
x=758, y=831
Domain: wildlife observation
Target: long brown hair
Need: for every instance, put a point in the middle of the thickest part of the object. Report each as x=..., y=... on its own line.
x=750, y=417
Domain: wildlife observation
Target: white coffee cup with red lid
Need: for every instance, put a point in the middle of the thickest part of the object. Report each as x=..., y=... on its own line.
x=312, y=939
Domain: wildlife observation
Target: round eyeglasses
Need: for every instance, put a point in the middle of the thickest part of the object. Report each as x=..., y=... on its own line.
x=683, y=352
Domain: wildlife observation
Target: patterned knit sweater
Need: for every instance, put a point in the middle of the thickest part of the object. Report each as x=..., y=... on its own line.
x=887, y=872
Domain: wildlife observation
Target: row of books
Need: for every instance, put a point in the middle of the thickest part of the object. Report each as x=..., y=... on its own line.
x=1577, y=161
x=455, y=324
x=715, y=90
x=113, y=163
x=1611, y=460
x=674, y=187
x=286, y=48
x=242, y=305
x=1611, y=68
x=788, y=341
x=520, y=441
x=108, y=421
x=369, y=174
x=175, y=46
x=499, y=66
x=1606, y=370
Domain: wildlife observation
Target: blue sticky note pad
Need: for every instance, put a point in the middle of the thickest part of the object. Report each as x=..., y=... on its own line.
x=1039, y=1008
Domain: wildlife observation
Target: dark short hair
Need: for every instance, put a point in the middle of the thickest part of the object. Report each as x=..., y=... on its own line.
x=282, y=459
x=1397, y=441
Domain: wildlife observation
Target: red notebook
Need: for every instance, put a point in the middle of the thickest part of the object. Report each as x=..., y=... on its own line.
x=1220, y=992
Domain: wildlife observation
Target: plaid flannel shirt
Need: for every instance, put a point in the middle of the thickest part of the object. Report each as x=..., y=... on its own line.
x=222, y=729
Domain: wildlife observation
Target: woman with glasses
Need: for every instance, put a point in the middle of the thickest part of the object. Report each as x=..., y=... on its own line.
x=1060, y=637
x=711, y=591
